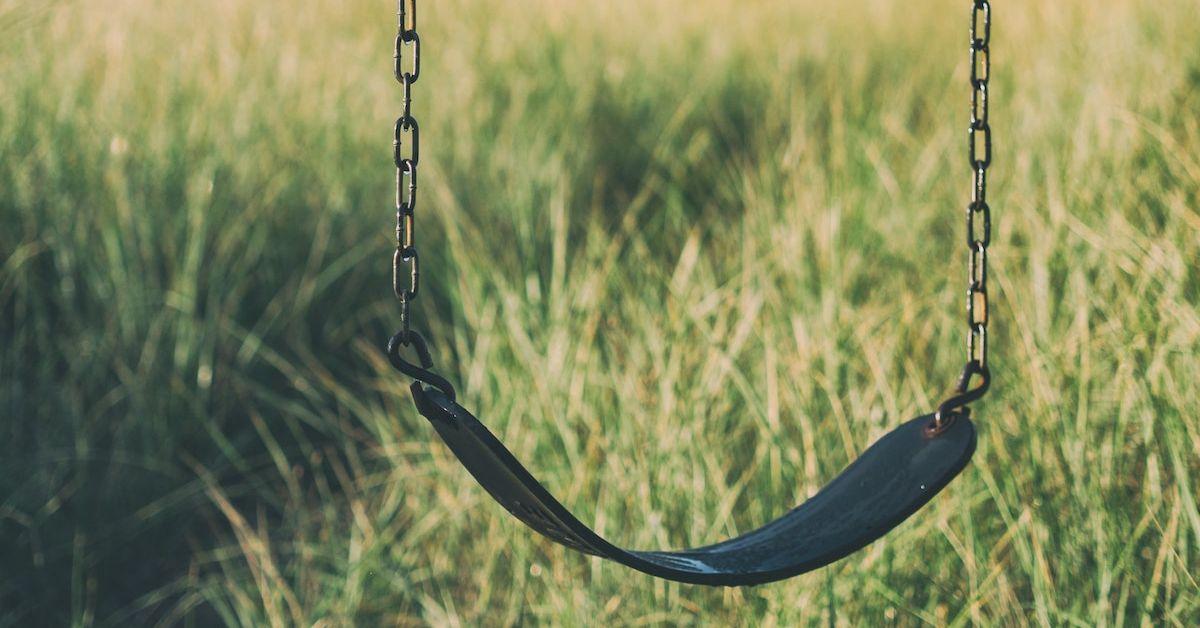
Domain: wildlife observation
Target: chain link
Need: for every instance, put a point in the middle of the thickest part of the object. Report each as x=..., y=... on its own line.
x=979, y=226
x=979, y=213
x=406, y=151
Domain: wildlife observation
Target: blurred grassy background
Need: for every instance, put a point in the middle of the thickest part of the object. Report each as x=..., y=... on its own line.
x=686, y=258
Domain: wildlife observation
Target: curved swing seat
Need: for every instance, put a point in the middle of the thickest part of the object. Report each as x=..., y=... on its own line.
x=890, y=481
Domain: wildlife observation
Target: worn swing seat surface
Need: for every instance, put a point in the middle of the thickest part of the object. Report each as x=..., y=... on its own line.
x=890, y=481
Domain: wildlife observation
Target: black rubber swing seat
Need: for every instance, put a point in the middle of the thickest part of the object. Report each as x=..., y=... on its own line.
x=890, y=481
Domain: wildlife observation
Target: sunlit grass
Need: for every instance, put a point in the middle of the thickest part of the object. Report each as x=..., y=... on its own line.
x=687, y=260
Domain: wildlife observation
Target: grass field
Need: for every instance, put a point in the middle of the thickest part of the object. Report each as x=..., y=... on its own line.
x=687, y=258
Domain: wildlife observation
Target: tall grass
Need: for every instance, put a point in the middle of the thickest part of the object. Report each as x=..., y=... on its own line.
x=686, y=258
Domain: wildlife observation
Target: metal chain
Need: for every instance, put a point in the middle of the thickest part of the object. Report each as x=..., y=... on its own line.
x=979, y=213
x=406, y=152
x=406, y=272
x=979, y=223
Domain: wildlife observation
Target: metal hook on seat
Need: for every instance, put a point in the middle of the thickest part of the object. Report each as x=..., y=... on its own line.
x=956, y=405
x=420, y=373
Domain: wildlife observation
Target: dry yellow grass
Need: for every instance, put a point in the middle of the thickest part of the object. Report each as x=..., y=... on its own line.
x=686, y=258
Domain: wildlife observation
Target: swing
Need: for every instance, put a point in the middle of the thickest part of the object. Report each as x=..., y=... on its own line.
x=890, y=481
